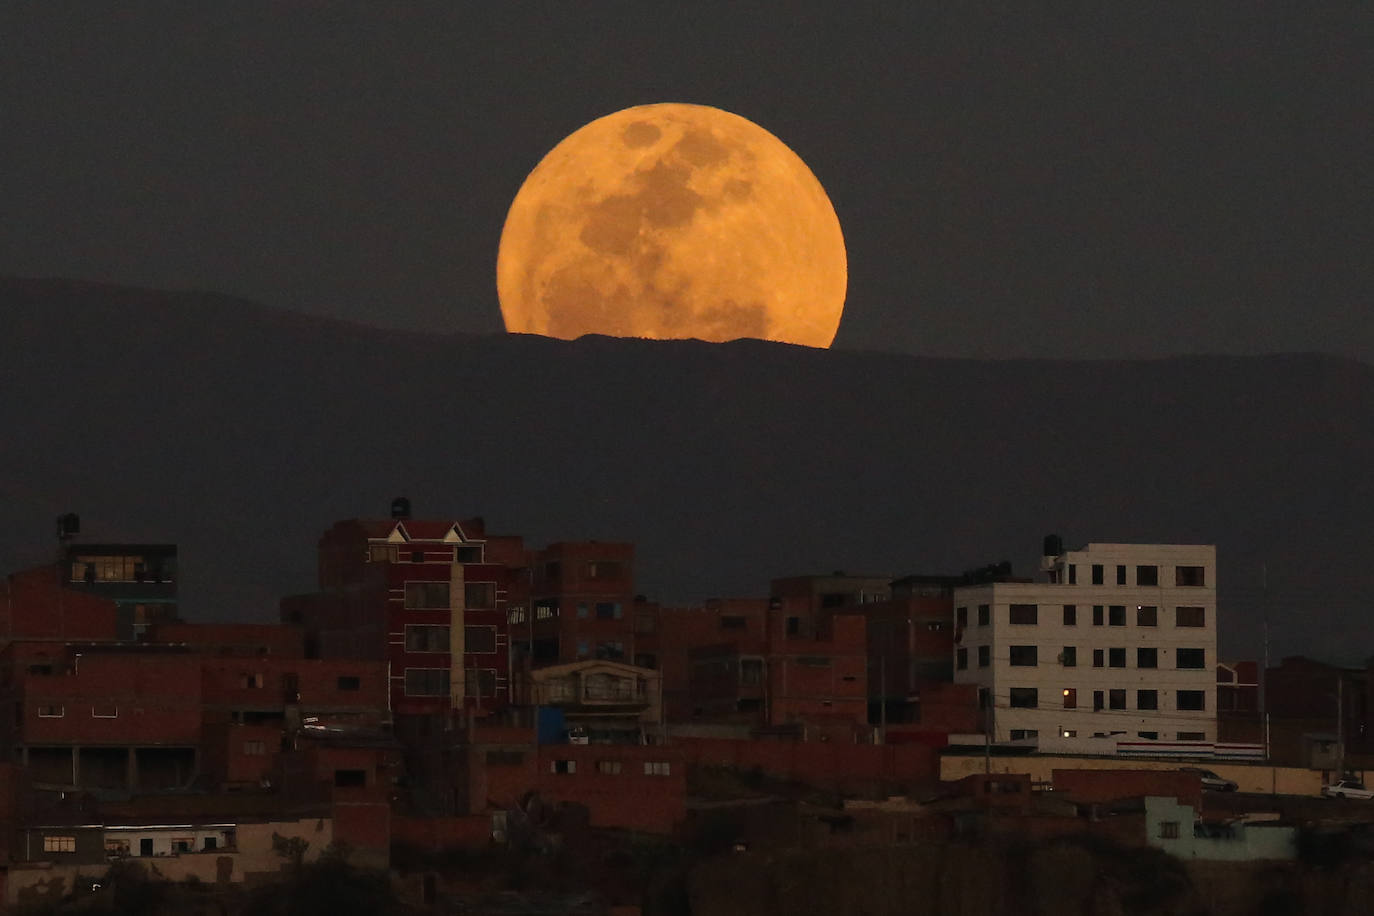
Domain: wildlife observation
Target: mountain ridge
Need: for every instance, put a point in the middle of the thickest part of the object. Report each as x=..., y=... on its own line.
x=242, y=431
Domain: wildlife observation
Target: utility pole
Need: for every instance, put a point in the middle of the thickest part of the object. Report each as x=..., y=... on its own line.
x=1340, y=726
x=1264, y=672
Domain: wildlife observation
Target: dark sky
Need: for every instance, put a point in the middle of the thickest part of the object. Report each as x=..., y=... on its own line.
x=1125, y=182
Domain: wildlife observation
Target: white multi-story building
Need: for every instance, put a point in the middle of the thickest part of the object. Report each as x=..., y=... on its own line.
x=1120, y=641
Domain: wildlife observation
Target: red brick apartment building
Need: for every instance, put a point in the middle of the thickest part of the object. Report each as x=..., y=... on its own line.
x=579, y=604
x=427, y=597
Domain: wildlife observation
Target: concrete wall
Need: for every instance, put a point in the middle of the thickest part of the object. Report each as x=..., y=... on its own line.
x=1249, y=777
x=1245, y=842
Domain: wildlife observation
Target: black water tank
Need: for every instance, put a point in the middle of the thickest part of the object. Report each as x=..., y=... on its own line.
x=400, y=507
x=1053, y=546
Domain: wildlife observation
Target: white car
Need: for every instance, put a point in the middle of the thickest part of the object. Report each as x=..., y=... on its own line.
x=1347, y=788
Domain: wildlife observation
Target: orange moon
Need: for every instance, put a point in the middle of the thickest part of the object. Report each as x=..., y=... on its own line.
x=673, y=221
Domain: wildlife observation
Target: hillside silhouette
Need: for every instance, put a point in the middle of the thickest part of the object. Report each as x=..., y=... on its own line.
x=240, y=432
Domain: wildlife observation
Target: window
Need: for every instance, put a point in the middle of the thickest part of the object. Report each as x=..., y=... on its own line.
x=1069, y=733
x=657, y=768
x=584, y=648
x=1147, y=575
x=1146, y=699
x=350, y=779
x=59, y=844
x=1022, y=734
x=1116, y=699
x=211, y=843
x=1116, y=658
x=1190, y=617
x=427, y=596
x=350, y=682
x=1146, y=615
x=1147, y=658
x=1069, y=657
x=1192, y=736
x=468, y=553
x=417, y=556
x=116, y=848
x=1116, y=615
x=984, y=656
x=545, y=610
x=427, y=682
x=961, y=617
x=423, y=638
x=1098, y=655
x=1023, y=656
x=479, y=596
x=251, y=681
x=1120, y=575
x=1192, y=700
x=608, y=767
x=813, y=661
x=1190, y=658
x=1023, y=698
x=1023, y=613
x=1070, y=615
x=378, y=553
x=1168, y=830
x=105, y=712
x=517, y=615
x=734, y=623
x=1097, y=702
x=646, y=660
x=1190, y=576
x=793, y=626
x=961, y=659
x=604, y=569
x=1149, y=736
x=608, y=610
x=480, y=682
x=51, y=712
x=1097, y=615
x=563, y=766
x=751, y=671
x=505, y=758
x=254, y=748
x=984, y=614
x=612, y=649
x=479, y=640
x=1073, y=574
x=1070, y=698
x=583, y=612
x=1097, y=574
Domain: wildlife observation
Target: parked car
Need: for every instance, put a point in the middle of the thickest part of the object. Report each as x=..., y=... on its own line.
x=1211, y=780
x=1347, y=788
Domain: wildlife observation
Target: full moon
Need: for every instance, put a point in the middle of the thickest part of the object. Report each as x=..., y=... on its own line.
x=673, y=221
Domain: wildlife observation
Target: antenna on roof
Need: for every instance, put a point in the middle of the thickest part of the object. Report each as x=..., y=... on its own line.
x=400, y=508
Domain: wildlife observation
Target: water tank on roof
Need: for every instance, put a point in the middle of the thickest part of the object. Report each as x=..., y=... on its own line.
x=400, y=508
x=68, y=526
x=1053, y=546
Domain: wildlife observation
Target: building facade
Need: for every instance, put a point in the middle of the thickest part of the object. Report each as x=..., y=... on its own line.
x=1119, y=640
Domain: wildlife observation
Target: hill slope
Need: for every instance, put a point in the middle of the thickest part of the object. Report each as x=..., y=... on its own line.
x=240, y=432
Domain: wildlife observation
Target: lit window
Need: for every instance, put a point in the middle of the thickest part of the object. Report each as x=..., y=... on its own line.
x=657, y=768
x=1168, y=830
x=59, y=844
x=608, y=767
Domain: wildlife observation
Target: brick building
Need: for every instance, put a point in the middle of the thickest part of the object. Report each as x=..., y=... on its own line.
x=425, y=596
